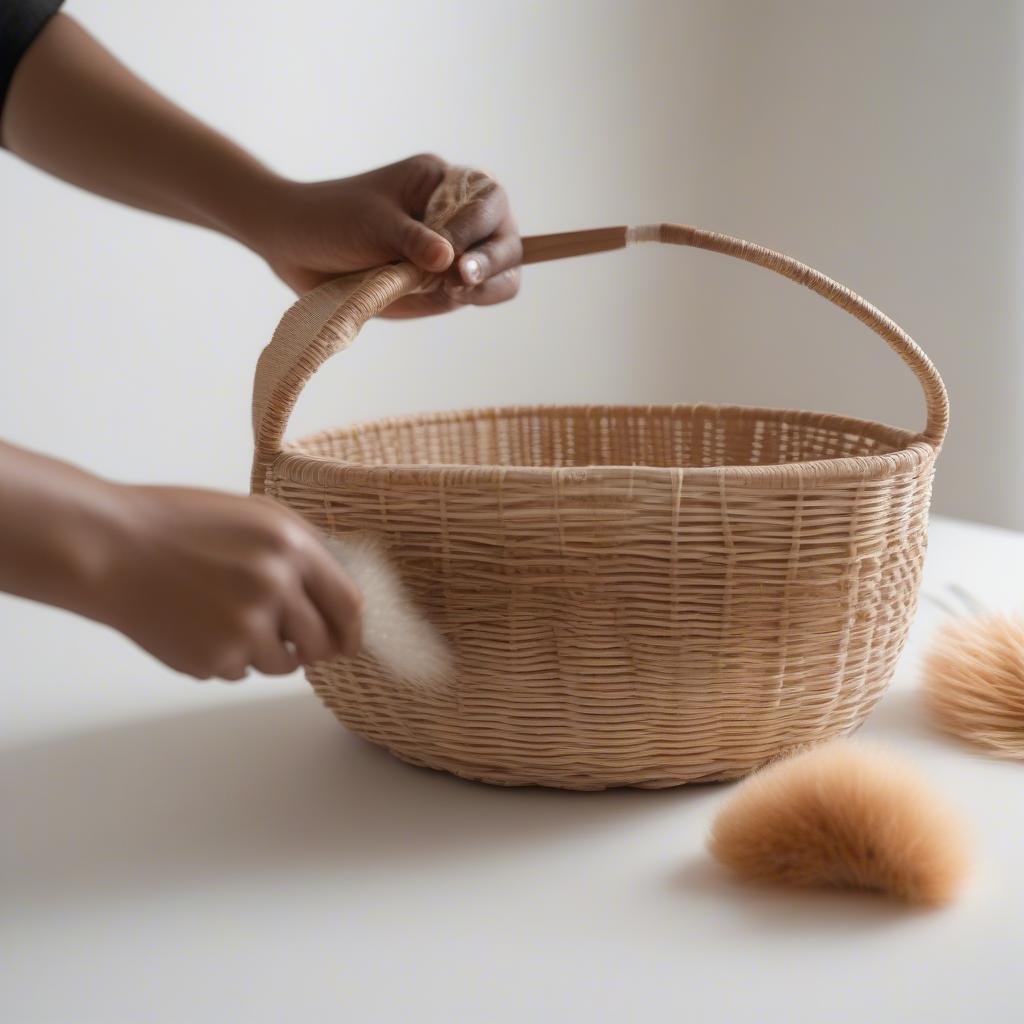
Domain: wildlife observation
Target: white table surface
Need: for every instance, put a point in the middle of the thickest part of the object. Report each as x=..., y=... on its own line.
x=184, y=853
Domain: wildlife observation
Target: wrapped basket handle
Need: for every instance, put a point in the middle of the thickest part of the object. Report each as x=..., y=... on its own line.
x=327, y=319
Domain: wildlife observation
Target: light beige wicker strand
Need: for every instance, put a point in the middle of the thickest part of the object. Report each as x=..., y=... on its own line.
x=636, y=595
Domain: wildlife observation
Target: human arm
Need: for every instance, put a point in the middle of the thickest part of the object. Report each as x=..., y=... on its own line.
x=75, y=111
x=209, y=583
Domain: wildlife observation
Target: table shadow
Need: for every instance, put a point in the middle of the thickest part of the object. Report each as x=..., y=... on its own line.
x=275, y=784
x=272, y=784
x=779, y=910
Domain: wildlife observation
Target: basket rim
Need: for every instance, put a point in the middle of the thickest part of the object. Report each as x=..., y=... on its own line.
x=910, y=451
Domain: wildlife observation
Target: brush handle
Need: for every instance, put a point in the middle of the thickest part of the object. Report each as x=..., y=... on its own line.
x=327, y=319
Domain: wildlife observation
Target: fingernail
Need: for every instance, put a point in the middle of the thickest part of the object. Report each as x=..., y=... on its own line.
x=472, y=270
x=437, y=255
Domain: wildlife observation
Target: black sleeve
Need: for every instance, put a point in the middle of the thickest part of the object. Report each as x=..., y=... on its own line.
x=20, y=22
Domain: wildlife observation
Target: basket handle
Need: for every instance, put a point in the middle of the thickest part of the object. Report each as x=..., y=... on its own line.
x=327, y=319
x=541, y=248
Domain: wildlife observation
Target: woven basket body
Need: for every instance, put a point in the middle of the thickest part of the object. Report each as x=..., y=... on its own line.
x=635, y=596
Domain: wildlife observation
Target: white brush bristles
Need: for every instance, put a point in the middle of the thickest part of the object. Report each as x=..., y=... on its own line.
x=395, y=632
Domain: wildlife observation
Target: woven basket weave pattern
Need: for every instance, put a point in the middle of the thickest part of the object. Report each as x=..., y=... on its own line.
x=635, y=595
x=615, y=628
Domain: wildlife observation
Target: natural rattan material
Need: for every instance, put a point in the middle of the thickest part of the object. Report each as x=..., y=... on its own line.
x=635, y=595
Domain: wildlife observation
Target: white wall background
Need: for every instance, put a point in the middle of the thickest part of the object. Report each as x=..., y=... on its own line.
x=883, y=143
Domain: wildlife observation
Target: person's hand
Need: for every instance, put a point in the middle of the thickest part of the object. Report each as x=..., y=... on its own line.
x=75, y=111
x=213, y=583
x=309, y=233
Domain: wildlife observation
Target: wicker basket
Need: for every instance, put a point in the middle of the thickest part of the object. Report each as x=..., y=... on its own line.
x=636, y=596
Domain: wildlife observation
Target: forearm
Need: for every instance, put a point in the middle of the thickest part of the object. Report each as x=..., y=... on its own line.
x=75, y=111
x=58, y=525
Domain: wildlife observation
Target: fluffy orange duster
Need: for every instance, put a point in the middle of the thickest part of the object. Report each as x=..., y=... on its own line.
x=974, y=683
x=842, y=815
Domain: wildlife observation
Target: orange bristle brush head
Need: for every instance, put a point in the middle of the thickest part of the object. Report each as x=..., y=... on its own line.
x=974, y=683
x=842, y=815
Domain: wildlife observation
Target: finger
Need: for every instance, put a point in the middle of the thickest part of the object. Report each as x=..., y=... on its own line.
x=338, y=601
x=502, y=251
x=420, y=245
x=479, y=219
x=273, y=656
x=500, y=288
x=229, y=665
x=417, y=178
x=303, y=625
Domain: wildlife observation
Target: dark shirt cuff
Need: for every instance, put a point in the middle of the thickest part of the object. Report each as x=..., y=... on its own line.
x=20, y=22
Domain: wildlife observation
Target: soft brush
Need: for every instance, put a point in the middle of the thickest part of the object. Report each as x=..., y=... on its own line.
x=395, y=632
x=844, y=815
x=974, y=682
